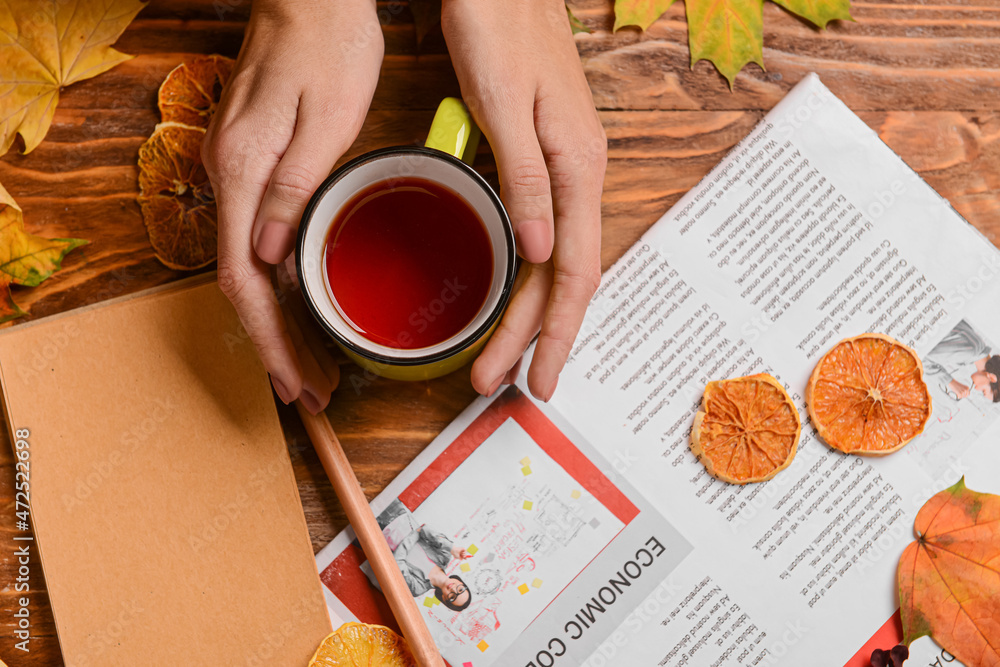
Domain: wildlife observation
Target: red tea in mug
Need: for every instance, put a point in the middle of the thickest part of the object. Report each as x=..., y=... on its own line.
x=409, y=263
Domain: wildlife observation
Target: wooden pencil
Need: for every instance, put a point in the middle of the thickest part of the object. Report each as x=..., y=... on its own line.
x=351, y=496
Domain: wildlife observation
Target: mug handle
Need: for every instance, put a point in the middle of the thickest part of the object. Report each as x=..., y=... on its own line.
x=453, y=131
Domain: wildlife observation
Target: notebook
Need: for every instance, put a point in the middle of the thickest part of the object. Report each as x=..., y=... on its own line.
x=165, y=511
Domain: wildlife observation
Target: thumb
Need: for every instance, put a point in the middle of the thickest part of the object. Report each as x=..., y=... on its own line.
x=308, y=160
x=524, y=183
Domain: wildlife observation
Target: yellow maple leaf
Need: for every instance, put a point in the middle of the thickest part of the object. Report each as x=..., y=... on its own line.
x=819, y=12
x=641, y=13
x=728, y=33
x=47, y=45
x=25, y=259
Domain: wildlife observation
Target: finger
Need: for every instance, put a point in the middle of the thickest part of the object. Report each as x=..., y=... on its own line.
x=511, y=376
x=519, y=325
x=524, y=181
x=245, y=281
x=316, y=386
x=317, y=144
x=239, y=187
x=315, y=339
x=576, y=191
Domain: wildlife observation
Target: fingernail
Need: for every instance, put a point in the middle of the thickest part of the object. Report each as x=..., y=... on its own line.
x=533, y=240
x=274, y=242
x=552, y=390
x=311, y=401
x=494, y=386
x=283, y=393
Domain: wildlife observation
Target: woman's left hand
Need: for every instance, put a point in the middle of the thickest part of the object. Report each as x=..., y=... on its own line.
x=522, y=80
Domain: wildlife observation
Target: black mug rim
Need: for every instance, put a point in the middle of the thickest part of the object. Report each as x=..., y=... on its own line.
x=466, y=341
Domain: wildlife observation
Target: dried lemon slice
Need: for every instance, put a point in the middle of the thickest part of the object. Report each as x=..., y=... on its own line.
x=356, y=644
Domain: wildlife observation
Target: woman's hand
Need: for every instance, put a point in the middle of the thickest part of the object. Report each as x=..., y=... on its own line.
x=522, y=80
x=459, y=552
x=961, y=390
x=294, y=104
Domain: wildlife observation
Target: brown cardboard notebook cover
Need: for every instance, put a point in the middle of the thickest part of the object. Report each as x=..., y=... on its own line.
x=164, y=505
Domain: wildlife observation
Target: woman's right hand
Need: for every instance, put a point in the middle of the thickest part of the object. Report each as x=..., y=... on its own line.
x=294, y=104
x=961, y=390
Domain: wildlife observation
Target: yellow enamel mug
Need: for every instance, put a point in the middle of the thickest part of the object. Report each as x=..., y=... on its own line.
x=444, y=160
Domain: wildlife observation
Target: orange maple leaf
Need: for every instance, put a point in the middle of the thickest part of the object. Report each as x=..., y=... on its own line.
x=949, y=579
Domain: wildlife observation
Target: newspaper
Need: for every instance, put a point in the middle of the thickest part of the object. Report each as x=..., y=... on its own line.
x=584, y=531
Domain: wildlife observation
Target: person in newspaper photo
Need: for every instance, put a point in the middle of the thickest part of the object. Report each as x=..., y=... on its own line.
x=964, y=353
x=422, y=555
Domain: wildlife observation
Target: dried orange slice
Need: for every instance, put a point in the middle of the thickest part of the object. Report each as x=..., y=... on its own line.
x=177, y=202
x=867, y=395
x=747, y=429
x=192, y=90
x=355, y=644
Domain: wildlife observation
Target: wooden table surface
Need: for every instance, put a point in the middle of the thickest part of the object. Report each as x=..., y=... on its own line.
x=925, y=77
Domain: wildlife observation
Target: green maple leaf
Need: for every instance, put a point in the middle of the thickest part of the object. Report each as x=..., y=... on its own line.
x=729, y=33
x=25, y=259
x=575, y=24
x=819, y=12
x=639, y=12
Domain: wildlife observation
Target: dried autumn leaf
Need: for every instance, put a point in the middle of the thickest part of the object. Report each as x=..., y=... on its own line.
x=8, y=309
x=25, y=259
x=949, y=579
x=639, y=12
x=729, y=33
x=819, y=12
x=575, y=24
x=47, y=45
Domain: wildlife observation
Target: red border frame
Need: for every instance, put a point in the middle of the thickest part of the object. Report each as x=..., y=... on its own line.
x=344, y=578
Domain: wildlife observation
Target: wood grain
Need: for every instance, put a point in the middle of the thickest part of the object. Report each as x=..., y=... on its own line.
x=925, y=77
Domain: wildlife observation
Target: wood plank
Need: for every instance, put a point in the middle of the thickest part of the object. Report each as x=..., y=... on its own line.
x=925, y=76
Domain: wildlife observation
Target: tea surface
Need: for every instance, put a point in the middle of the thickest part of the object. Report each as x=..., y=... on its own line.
x=409, y=263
